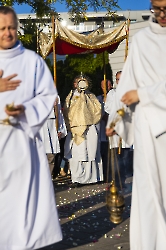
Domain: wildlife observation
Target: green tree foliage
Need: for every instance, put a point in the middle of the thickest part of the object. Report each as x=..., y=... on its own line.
x=77, y=8
x=40, y=7
x=29, y=39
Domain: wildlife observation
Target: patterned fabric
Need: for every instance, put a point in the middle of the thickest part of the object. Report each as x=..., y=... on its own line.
x=81, y=110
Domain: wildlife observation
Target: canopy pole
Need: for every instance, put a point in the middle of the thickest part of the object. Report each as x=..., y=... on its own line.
x=105, y=94
x=127, y=38
x=54, y=49
x=54, y=67
x=104, y=66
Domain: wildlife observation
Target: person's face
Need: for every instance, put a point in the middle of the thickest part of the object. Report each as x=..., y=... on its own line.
x=75, y=85
x=8, y=31
x=109, y=85
x=159, y=7
x=118, y=77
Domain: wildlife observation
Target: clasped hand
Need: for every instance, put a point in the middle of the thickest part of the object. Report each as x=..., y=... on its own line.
x=110, y=132
x=19, y=109
x=8, y=84
x=128, y=98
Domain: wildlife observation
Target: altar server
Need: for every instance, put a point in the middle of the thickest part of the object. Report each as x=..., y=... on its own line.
x=28, y=213
x=82, y=112
x=142, y=93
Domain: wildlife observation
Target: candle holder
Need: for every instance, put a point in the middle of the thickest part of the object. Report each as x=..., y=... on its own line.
x=6, y=121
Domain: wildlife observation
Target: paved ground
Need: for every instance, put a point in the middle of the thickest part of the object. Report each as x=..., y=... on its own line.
x=85, y=220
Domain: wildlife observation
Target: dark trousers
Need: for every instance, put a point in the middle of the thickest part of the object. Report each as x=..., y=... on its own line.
x=104, y=155
x=123, y=163
x=58, y=158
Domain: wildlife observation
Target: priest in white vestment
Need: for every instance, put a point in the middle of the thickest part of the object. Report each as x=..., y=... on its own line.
x=28, y=213
x=142, y=88
x=82, y=112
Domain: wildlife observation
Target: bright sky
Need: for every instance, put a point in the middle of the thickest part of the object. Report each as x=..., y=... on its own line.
x=124, y=4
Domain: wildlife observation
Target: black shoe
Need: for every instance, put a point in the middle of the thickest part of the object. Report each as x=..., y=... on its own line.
x=74, y=185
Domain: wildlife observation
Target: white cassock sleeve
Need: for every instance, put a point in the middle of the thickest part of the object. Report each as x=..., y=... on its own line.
x=38, y=108
x=127, y=82
x=109, y=101
x=152, y=95
x=153, y=100
x=61, y=122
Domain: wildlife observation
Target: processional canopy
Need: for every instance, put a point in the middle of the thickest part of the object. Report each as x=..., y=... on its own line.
x=71, y=42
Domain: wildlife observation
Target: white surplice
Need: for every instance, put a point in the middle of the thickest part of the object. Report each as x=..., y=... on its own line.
x=109, y=100
x=49, y=133
x=145, y=125
x=28, y=213
x=114, y=140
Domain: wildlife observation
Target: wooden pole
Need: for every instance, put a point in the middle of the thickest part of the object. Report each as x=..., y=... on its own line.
x=54, y=47
x=54, y=67
x=105, y=88
x=127, y=38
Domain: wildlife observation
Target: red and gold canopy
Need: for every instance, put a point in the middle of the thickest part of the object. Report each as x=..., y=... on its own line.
x=69, y=42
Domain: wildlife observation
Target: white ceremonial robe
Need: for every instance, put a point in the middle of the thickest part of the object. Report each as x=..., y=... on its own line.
x=114, y=140
x=28, y=213
x=49, y=133
x=145, y=125
x=109, y=101
x=85, y=159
